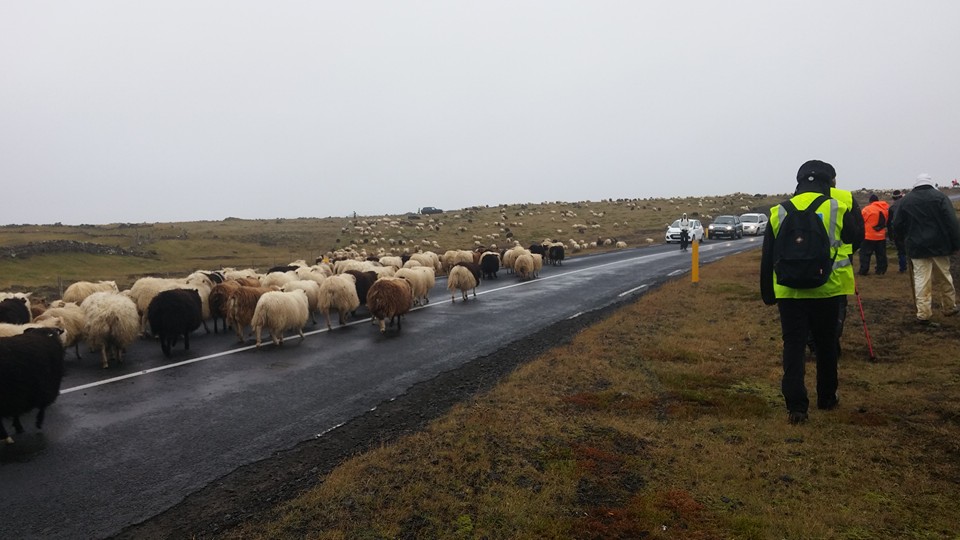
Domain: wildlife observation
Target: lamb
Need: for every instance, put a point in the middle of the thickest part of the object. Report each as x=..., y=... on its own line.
x=111, y=323
x=240, y=307
x=175, y=313
x=31, y=369
x=312, y=288
x=79, y=290
x=15, y=310
x=422, y=280
x=389, y=299
x=71, y=316
x=339, y=292
x=278, y=312
x=463, y=279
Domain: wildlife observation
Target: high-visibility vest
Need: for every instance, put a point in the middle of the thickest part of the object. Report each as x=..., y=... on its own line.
x=831, y=212
x=843, y=265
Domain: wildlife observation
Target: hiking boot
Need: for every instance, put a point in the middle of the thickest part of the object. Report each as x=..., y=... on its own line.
x=952, y=312
x=830, y=404
x=797, y=417
x=928, y=323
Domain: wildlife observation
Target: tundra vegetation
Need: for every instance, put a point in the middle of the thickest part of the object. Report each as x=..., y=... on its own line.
x=663, y=421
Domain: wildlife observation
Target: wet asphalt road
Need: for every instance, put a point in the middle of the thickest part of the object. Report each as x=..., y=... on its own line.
x=122, y=445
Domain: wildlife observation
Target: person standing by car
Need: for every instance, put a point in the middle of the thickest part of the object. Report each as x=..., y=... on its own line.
x=805, y=310
x=927, y=223
x=897, y=241
x=684, y=232
x=876, y=215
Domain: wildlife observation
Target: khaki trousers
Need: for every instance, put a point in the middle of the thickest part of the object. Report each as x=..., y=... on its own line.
x=931, y=276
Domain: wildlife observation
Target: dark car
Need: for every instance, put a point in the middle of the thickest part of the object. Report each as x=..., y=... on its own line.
x=726, y=227
x=430, y=210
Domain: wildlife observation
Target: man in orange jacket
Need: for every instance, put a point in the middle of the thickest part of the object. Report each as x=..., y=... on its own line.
x=876, y=215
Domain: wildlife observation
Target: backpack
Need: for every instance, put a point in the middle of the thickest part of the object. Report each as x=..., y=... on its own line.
x=802, y=254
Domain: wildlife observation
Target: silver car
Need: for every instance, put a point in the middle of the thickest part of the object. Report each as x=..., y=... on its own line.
x=755, y=224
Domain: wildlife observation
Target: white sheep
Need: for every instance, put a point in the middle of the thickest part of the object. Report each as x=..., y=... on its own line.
x=73, y=322
x=278, y=279
x=312, y=288
x=111, y=324
x=279, y=312
x=76, y=292
x=462, y=279
x=523, y=266
x=421, y=279
x=338, y=292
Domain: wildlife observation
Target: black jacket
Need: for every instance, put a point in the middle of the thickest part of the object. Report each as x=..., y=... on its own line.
x=927, y=223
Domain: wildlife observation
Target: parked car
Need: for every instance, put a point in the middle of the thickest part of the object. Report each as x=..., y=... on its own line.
x=695, y=232
x=725, y=227
x=430, y=210
x=755, y=224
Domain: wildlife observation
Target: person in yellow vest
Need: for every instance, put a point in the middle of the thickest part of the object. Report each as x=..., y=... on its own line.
x=876, y=217
x=809, y=310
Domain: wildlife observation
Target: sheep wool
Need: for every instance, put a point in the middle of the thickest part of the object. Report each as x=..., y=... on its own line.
x=389, y=299
x=279, y=312
x=111, y=324
x=462, y=279
x=338, y=292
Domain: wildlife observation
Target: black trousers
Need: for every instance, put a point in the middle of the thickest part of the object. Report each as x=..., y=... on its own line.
x=800, y=318
x=684, y=240
x=871, y=247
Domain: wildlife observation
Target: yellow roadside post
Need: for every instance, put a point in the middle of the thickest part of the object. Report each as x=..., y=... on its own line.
x=695, y=272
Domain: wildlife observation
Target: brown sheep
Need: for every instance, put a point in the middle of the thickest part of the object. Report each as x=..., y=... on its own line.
x=389, y=298
x=241, y=305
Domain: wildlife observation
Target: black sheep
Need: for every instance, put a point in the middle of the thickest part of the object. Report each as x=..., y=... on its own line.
x=31, y=369
x=174, y=313
x=474, y=269
x=364, y=282
x=490, y=265
x=14, y=310
x=556, y=254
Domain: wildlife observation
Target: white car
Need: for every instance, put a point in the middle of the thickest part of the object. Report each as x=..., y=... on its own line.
x=755, y=224
x=695, y=232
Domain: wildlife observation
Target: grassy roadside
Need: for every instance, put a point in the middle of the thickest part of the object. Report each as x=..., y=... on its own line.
x=665, y=421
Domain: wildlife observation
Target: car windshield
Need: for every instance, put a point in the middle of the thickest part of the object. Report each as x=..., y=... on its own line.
x=750, y=219
x=724, y=219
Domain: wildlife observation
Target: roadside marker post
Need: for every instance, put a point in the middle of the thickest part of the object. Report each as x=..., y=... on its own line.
x=695, y=271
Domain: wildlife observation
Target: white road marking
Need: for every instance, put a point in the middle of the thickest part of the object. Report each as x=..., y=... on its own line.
x=624, y=293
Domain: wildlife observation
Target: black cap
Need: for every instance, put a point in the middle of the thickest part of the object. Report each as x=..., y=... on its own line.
x=897, y=194
x=874, y=198
x=816, y=171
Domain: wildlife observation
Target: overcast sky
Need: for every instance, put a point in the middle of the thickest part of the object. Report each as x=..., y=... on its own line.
x=120, y=111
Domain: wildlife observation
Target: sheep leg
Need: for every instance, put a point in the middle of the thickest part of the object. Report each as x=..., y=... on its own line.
x=103, y=354
x=383, y=327
x=186, y=340
x=76, y=349
x=327, y=315
x=277, y=340
x=300, y=331
x=205, y=327
x=41, y=414
x=17, y=426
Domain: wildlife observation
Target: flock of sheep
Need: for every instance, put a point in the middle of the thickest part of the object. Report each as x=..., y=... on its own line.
x=34, y=334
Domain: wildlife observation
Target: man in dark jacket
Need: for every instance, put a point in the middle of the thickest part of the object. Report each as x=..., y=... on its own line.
x=927, y=223
x=897, y=242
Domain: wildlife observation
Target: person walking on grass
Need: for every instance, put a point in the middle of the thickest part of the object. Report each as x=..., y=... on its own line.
x=897, y=242
x=800, y=273
x=876, y=216
x=927, y=223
